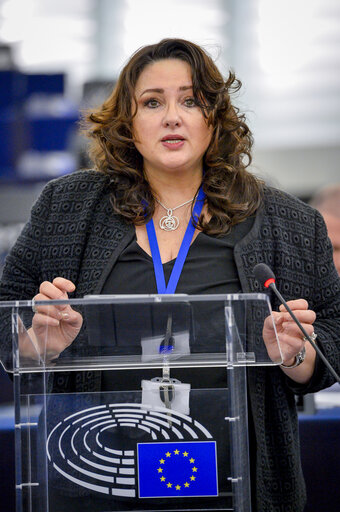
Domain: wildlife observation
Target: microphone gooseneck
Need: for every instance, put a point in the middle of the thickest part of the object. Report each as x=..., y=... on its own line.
x=266, y=277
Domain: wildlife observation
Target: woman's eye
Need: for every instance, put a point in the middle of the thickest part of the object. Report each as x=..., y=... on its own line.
x=152, y=103
x=190, y=102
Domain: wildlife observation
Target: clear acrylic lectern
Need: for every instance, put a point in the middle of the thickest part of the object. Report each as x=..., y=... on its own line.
x=145, y=410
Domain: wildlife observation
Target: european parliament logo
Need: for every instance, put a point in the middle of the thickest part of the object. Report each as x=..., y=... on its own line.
x=101, y=448
x=177, y=469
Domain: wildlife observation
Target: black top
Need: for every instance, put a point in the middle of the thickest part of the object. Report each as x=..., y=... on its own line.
x=209, y=267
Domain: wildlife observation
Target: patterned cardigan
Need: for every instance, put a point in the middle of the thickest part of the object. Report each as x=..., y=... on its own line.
x=74, y=233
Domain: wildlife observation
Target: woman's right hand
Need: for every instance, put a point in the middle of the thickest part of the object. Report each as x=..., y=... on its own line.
x=52, y=326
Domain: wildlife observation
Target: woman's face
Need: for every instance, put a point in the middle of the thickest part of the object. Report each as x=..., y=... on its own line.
x=169, y=129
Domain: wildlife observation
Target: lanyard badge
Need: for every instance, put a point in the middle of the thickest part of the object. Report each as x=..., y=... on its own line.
x=165, y=384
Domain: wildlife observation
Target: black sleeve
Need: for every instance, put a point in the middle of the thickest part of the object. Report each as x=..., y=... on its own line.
x=21, y=275
x=326, y=304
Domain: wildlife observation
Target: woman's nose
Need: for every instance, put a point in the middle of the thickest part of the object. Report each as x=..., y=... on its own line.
x=172, y=116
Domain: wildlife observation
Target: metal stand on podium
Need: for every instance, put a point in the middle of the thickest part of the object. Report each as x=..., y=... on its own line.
x=145, y=410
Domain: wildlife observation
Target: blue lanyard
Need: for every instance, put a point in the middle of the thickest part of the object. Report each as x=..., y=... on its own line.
x=182, y=254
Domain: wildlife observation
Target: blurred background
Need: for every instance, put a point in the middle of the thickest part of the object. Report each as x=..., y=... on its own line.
x=58, y=57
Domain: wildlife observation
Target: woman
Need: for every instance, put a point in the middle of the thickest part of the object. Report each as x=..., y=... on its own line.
x=168, y=131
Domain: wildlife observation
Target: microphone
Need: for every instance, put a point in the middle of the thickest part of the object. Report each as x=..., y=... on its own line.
x=266, y=278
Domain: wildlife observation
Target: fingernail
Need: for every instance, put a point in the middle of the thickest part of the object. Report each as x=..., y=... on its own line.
x=65, y=316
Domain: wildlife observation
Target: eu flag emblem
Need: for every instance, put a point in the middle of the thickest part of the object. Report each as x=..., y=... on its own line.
x=184, y=469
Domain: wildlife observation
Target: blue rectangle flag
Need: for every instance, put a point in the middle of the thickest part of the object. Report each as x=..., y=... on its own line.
x=183, y=469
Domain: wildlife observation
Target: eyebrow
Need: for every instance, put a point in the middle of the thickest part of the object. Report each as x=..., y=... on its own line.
x=161, y=91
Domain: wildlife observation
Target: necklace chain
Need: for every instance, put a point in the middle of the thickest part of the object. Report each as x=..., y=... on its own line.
x=170, y=222
x=176, y=207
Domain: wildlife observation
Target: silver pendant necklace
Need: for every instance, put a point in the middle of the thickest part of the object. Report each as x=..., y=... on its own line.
x=170, y=222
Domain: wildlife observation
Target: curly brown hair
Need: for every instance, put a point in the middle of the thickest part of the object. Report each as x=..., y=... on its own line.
x=232, y=193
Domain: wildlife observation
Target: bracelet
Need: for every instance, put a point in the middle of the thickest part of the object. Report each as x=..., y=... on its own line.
x=299, y=358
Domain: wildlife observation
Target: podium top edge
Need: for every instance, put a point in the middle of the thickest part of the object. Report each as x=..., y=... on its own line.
x=146, y=299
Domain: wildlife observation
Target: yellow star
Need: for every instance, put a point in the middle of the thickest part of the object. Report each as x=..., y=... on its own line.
x=162, y=478
x=185, y=454
x=160, y=470
x=176, y=452
x=194, y=469
x=168, y=454
x=178, y=487
x=192, y=478
x=192, y=461
x=162, y=461
x=186, y=484
x=169, y=484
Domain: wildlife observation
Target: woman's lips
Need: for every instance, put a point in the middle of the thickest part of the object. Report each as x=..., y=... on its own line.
x=173, y=142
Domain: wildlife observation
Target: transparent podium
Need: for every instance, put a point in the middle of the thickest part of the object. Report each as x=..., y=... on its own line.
x=146, y=409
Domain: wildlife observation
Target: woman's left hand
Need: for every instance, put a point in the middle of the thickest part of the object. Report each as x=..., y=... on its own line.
x=291, y=338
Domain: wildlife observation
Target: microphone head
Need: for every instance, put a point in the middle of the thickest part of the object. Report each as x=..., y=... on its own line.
x=264, y=274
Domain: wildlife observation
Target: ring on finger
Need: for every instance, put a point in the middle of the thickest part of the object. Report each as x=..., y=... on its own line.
x=34, y=307
x=313, y=337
